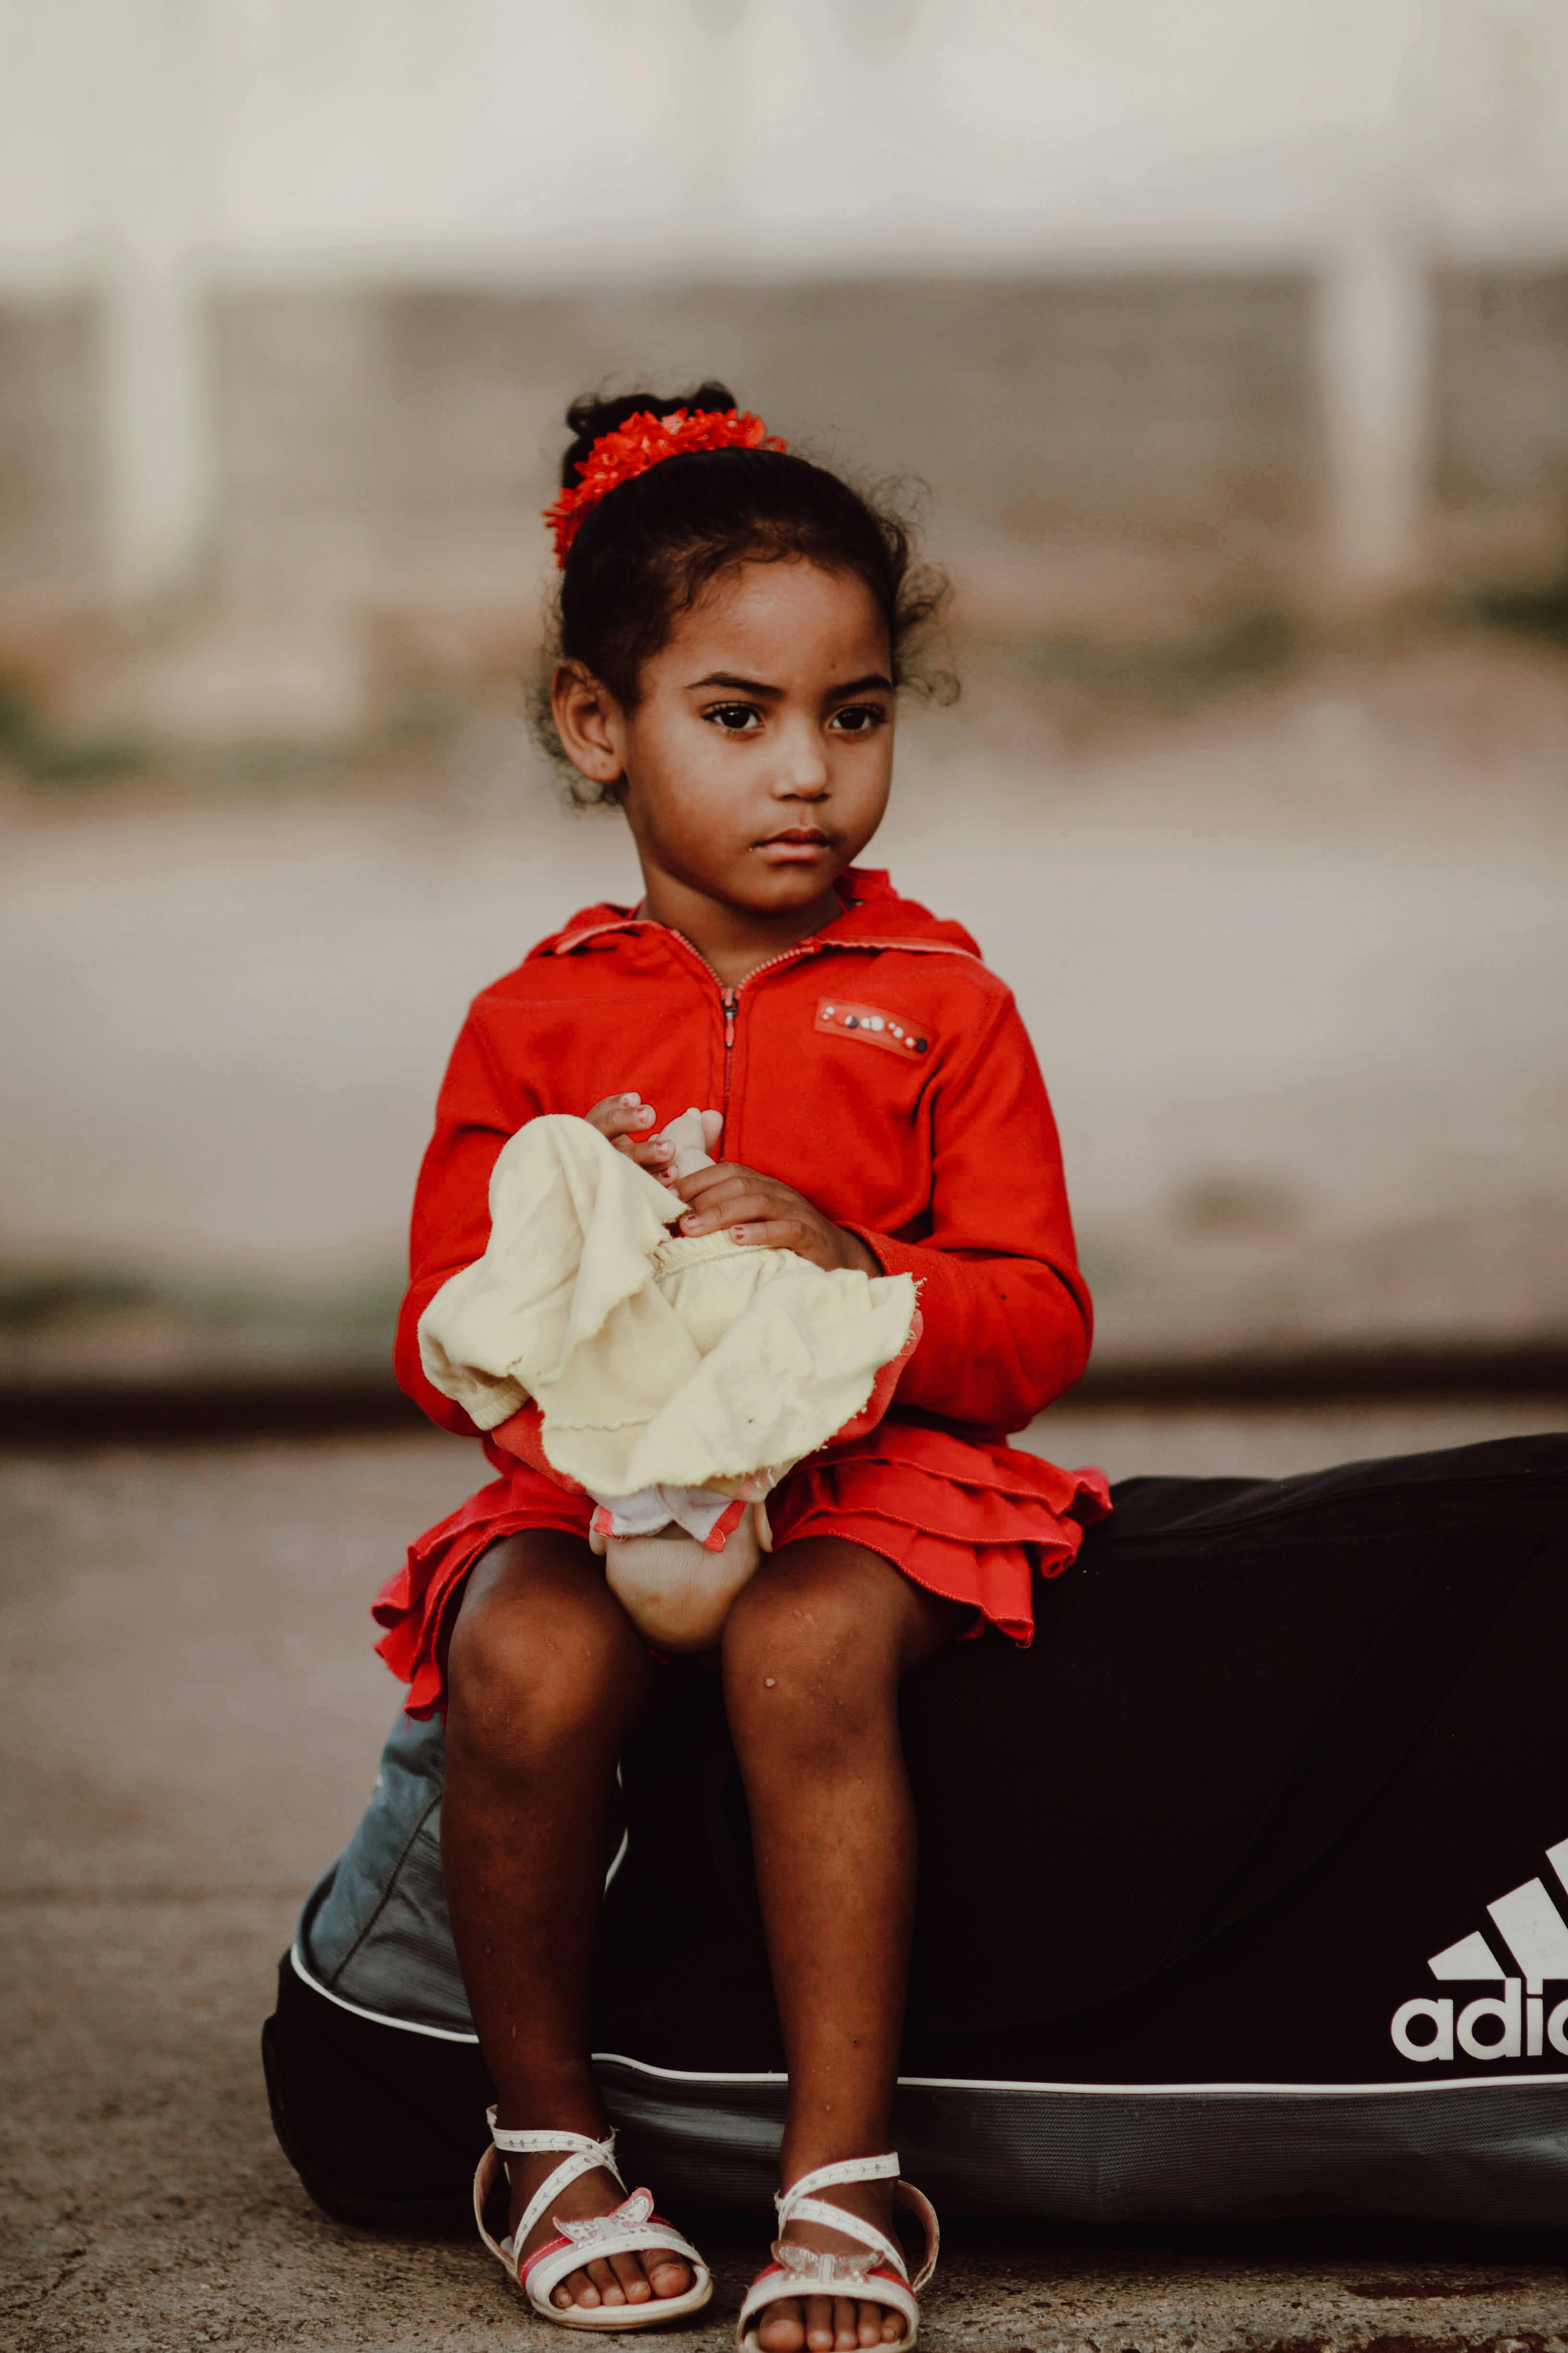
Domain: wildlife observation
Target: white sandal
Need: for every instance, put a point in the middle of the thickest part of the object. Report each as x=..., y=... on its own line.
x=879, y=2276
x=632, y=2229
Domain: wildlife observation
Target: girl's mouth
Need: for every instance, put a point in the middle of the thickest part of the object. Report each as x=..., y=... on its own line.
x=801, y=845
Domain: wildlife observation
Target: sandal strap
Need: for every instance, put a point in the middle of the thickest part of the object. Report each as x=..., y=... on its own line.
x=634, y=2229
x=799, y=2203
x=540, y=2144
x=585, y=2154
x=885, y=2281
x=839, y=2217
x=777, y=2282
x=915, y=2201
x=834, y=2177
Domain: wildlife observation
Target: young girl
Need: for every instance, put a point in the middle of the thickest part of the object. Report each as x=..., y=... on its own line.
x=734, y=625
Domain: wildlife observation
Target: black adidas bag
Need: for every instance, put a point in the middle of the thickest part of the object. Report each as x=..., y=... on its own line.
x=1244, y=1892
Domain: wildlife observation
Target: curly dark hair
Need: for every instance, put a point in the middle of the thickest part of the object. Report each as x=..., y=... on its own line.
x=651, y=548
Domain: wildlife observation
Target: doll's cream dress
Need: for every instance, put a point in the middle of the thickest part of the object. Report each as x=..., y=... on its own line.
x=676, y=1378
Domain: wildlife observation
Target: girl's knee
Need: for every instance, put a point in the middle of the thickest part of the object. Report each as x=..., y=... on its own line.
x=781, y=1605
x=801, y=1639
x=536, y=1669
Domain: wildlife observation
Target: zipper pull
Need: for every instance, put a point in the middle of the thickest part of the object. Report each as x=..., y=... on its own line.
x=729, y=999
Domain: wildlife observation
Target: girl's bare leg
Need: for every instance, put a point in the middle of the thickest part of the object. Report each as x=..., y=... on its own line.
x=545, y=1679
x=814, y=1649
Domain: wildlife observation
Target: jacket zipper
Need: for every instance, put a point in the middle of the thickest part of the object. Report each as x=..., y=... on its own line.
x=730, y=998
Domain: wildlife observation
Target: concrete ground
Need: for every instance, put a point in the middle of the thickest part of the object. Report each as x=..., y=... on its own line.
x=190, y=1721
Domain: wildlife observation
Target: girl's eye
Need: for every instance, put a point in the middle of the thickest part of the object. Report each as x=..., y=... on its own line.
x=858, y=718
x=734, y=718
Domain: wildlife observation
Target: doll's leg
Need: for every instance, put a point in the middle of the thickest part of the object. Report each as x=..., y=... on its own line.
x=545, y=1678
x=814, y=1649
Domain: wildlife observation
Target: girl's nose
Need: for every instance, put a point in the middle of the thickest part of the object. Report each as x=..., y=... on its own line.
x=802, y=771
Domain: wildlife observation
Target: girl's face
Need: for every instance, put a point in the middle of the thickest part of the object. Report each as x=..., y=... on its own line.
x=756, y=765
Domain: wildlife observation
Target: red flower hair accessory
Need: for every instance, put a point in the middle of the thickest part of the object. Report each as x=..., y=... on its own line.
x=645, y=440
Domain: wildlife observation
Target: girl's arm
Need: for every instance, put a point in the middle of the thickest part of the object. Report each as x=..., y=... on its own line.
x=476, y=1112
x=1007, y=1312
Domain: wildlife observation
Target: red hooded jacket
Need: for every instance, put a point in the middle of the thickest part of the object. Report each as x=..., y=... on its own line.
x=877, y=1067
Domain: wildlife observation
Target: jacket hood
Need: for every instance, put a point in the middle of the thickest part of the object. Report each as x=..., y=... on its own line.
x=874, y=916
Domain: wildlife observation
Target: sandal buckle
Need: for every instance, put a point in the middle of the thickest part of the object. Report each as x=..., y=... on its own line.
x=816, y=2268
x=595, y=2230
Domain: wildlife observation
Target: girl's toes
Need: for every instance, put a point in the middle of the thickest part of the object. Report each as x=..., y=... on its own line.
x=602, y=2277
x=576, y=2288
x=892, y=2326
x=782, y=2331
x=631, y=2278
x=845, y=2331
x=819, y=2329
x=667, y=2276
x=869, y=2331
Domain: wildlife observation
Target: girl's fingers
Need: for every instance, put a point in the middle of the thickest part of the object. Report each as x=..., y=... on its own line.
x=750, y=1209
x=767, y=1233
x=715, y=1194
x=713, y=1200
x=622, y=1115
x=646, y=1150
x=735, y=1209
x=696, y=1188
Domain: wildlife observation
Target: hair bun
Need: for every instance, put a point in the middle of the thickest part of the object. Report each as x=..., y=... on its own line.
x=590, y=419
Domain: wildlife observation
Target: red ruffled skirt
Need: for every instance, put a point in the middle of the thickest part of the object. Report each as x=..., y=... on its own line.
x=971, y=1521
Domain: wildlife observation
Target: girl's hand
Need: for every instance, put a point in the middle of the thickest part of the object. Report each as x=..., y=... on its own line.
x=625, y=1120
x=766, y=1215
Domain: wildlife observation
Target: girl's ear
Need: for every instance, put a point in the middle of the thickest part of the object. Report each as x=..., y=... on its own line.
x=588, y=721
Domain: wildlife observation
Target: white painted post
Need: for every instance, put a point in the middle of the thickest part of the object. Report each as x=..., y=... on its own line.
x=1374, y=334
x=159, y=428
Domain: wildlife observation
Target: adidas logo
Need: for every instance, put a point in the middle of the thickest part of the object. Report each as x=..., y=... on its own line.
x=1514, y=2023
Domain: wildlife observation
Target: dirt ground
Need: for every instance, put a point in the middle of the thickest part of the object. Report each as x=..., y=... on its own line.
x=190, y=1720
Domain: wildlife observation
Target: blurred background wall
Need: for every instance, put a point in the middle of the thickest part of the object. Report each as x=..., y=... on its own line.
x=1231, y=343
